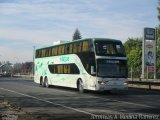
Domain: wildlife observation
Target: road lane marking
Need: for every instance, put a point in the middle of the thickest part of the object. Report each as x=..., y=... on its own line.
x=142, y=105
x=131, y=103
x=74, y=109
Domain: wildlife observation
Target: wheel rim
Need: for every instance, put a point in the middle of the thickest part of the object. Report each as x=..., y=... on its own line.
x=40, y=83
x=43, y=83
x=81, y=89
x=46, y=83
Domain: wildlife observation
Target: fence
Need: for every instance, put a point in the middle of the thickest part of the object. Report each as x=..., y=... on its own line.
x=151, y=85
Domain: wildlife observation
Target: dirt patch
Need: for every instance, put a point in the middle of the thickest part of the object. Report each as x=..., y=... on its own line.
x=9, y=111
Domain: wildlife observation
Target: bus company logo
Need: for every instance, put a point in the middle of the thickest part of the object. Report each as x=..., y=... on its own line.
x=64, y=59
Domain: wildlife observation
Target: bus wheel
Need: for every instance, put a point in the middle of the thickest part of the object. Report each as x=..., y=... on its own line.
x=41, y=81
x=80, y=86
x=46, y=82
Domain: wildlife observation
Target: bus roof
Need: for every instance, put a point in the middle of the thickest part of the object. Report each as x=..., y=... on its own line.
x=63, y=43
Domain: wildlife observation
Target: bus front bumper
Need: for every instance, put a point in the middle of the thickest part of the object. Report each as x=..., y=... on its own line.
x=111, y=85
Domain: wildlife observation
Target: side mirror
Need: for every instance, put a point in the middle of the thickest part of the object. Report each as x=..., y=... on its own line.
x=92, y=70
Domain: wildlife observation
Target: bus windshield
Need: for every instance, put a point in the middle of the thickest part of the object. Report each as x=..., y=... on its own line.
x=111, y=48
x=112, y=68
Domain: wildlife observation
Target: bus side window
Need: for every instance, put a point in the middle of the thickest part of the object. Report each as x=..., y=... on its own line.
x=47, y=52
x=37, y=53
x=50, y=52
x=85, y=46
x=65, y=67
x=91, y=48
x=74, y=47
x=43, y=53
x=62, y=49
x=66, y=51
x=69, y=69
x=55, y=50
x=61, y=67
x=59, y=50
x=80, y=47
x=70, y=48
x=58, y=69
x=40, y=54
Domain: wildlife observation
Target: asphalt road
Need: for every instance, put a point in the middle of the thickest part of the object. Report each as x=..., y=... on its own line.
x=63, y=103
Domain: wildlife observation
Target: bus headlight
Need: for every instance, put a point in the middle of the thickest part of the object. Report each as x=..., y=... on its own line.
x=125, y=83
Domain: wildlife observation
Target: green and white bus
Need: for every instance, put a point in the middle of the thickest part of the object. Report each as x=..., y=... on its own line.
x=97, y=64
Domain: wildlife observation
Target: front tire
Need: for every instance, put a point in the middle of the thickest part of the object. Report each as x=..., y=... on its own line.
x=80, y=86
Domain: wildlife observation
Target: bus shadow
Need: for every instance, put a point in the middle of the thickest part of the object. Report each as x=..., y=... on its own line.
x=130, y=91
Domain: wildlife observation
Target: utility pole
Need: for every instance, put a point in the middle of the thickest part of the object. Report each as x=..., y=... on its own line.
x=33, y=59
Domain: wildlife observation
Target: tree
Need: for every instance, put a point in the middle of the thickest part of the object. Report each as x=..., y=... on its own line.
x=27, y=67
x=17, y=68
x=158, y=8
x=77, y=35
x=158, y=42
x=133, y=47
x=23, y=68
x=158, y=52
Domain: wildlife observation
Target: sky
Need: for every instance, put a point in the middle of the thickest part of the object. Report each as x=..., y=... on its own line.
x=28, y=23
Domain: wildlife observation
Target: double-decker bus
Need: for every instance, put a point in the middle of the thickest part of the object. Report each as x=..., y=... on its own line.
x=97, y=64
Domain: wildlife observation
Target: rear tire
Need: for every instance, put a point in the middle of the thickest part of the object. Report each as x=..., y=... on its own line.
x=41, y=81
x=46, y=82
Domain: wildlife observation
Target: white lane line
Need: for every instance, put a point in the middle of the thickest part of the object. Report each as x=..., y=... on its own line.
x=74, y=109
x=142, y=105
x=131, y=103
